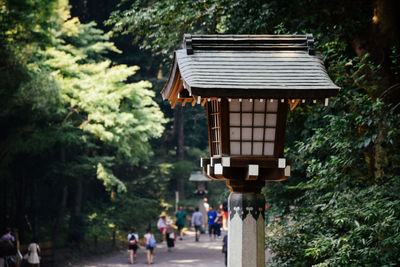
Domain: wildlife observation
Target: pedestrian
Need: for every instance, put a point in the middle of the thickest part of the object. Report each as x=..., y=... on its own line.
x=13, y=256
x=171, y=237
x=218, y=222
x=203, y=208
x=8, y=236
x=225, y=248
x=212, y=225
x=206, y=205
x=225, y=214
x=162, y=224
x=150, y=245
x=197, y=221
x=33, y=253
x=180, y=221
x=133, y=239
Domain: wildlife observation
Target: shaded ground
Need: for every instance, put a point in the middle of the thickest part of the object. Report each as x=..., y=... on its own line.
x=205, y=253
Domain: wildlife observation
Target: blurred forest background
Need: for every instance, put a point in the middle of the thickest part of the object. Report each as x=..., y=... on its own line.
x=89, y=149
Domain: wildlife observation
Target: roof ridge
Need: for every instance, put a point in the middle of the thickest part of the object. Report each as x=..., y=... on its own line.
x=304, y=42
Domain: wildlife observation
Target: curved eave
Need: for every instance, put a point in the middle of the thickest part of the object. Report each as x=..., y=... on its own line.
x=166, y=92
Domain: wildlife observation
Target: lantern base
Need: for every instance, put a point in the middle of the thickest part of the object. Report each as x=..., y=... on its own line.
x=246, y=174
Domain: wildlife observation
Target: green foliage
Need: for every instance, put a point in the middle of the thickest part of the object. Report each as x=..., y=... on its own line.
x=349, y=207
x=74, y=122
x=182, y=169
x=395, y=62
x=119, y=114
x=160, y=26
x=101, y=227
x=353, y=229
x=109, y=179
x=151, y=24
x=136, y=212
x=127, y=212
x=23, y=88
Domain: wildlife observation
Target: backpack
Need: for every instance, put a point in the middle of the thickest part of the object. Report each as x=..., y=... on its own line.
x=152, y=242
x=132, y=240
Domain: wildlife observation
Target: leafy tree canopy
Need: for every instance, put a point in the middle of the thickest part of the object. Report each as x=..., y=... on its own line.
x=73, y=118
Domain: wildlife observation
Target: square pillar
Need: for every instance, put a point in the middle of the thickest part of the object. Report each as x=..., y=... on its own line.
x=246, y=230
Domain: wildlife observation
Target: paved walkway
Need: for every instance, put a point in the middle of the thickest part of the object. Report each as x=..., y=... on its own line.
x=205, y=253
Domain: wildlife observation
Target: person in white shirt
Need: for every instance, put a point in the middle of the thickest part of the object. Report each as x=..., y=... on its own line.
x=162, y=224
x=206, y=205
x=34, y=250
x=133, y=239
x=204, y=211
x=149, y=248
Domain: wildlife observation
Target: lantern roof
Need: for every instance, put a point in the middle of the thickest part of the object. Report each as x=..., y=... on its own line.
x=248, y=66
x=198, y=176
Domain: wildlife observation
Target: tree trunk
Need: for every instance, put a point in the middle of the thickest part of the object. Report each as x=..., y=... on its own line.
x=34, y=200
x=63, y=205
x=78, y=197
x=386, y=21
x=4, y=203
x=60, y=215
x=386, y=34
x=178, y=125
x=113, y=239
x=76, y=223
x=378, y=40
x=20, y=205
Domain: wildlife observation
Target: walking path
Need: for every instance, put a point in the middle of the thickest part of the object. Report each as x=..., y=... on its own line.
x=187, y=252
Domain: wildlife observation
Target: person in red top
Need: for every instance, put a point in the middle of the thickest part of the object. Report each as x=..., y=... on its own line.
x=225, y=214
x=218, y=221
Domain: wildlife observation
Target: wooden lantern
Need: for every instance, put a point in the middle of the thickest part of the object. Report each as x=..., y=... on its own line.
x=248, y=83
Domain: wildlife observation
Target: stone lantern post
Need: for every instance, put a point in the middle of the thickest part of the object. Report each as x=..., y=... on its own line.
x=247, y=83
x=201, y=182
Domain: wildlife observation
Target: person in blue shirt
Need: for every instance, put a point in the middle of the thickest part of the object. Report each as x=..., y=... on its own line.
x=212, y=225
